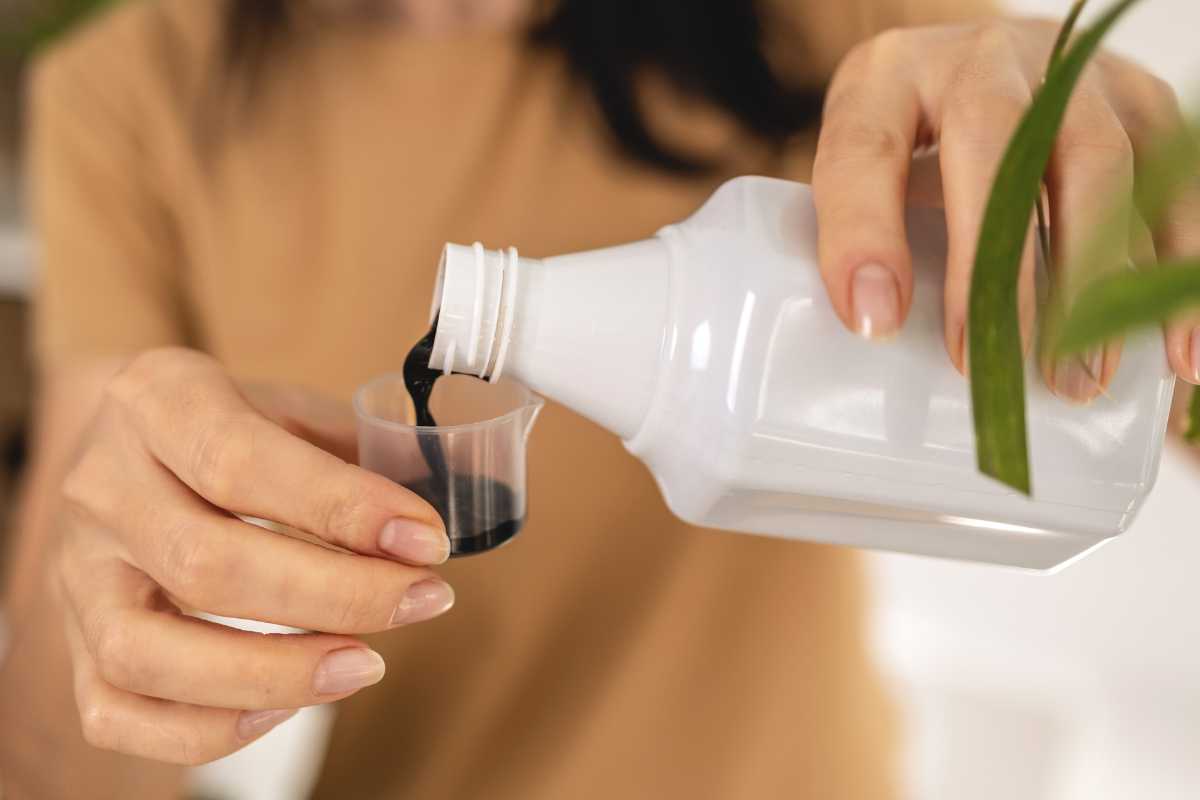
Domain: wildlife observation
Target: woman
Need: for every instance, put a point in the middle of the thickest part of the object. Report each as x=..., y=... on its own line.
x=239, y=202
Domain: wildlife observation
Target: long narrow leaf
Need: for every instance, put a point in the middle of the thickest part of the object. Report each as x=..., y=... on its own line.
x=1064, y=33
x=1116, y=304
x=997, y=368
x=1064, y=36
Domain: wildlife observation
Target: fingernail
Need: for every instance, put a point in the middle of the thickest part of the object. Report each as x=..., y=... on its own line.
x=346, y=670
x=423, y=601
x=414, y=542
x=252, y=724
x=1078, y=379
x=1196, y=355
x=875, y=301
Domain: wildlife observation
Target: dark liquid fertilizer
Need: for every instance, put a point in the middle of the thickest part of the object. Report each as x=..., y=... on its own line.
x=480, y=513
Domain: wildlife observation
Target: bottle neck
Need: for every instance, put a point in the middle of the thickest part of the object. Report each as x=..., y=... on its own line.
x=585, y=329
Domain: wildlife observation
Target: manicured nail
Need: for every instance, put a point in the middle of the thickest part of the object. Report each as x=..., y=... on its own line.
x=252, y=724
x=346, y=670
x=422, y=601
x=1078, y=379
x=1196, y=355
x=875, y=301
x=414, y=542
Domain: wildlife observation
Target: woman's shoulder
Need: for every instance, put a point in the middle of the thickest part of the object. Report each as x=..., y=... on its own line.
x=165, y=47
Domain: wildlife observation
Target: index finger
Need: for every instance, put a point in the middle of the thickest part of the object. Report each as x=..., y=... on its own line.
x=193, y=420
x=860, y=178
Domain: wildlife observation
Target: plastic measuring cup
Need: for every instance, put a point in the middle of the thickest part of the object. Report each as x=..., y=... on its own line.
x=481, y=434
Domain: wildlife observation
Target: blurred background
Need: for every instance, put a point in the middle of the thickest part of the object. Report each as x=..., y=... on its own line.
x=1085, y=684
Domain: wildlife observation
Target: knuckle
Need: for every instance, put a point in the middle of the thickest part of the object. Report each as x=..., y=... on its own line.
x=1045, y=27
x=1092, y=133
x=1151, y=105
x=92, y=488
x=889, y=46
x=855, y=139
x=97, y=724
x=159, y=387
x=192, y=566
x=102, y=728
x=84, y=491
x=1089, y=140
x=356, y=609
x=132, y=382
x=857, y=58
x=850, y=67
x=1161, y=99
x=112, y=647
x=994, y=39
x=142, y=376
x=220, y=457
x=1179, y=231
x=342, y=516
x=978, y=121
x=988, y=62
x=191, y=752
x=884, y=49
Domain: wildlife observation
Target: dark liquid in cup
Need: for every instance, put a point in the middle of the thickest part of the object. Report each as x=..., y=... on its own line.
x=480, y=513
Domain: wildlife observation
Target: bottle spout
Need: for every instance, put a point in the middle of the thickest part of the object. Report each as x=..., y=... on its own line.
x=528, y=415
x=473, y=303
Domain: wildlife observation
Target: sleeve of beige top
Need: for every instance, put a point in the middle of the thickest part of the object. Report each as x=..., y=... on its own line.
x=108, y=263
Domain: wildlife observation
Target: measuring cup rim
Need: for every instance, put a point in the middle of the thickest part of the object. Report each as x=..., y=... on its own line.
x=532, y=402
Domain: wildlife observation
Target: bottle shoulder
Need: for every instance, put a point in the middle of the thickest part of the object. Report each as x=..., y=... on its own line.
x=767, y=212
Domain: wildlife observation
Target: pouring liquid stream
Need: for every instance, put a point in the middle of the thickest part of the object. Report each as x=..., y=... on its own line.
x=469, y=504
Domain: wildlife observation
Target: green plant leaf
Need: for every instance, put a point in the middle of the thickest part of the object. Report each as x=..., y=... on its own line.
x=1064, y=36
x=996, y=360
x=1193, y=432
x=1116, y=304
x=1064, y=32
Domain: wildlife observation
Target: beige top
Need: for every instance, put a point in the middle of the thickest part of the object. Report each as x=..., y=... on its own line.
x=610, y=651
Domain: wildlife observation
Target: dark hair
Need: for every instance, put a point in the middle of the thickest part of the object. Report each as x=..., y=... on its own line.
x=709, y=49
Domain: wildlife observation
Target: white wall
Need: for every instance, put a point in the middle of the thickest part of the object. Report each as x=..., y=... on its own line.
x=1160, y=34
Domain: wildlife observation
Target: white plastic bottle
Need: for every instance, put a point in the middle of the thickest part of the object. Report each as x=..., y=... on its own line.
x=713, y=352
